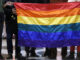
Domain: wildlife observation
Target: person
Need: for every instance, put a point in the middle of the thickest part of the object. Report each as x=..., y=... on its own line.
x=11, y=28
x=1, y=25
x=71, y=56
x=53, y=53
x=47, y=52
x=64, y=52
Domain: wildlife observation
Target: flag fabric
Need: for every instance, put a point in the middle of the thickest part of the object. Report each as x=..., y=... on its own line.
x=48, y=25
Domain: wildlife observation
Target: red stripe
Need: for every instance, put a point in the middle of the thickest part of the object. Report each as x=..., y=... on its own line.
x=47, y=7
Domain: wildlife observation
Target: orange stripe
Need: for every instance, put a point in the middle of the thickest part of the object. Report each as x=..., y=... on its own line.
x=56, y=13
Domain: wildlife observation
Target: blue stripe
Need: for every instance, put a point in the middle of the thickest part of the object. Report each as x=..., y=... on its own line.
x=50, y=28
x=37, y=39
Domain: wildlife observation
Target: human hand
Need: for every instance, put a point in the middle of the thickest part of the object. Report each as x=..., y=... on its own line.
x=8, y=3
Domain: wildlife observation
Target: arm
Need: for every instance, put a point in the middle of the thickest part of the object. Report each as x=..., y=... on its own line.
x=8, y=7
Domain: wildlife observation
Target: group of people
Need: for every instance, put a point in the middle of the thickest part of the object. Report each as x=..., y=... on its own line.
x=7, y=9
x=52, y=53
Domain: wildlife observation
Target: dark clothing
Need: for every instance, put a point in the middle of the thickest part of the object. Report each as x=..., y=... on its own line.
x=11, y=28
x=10, y=0
x=64, y=51
x=35, y=1
x=53, y=53
x=10, y=19
x=1, y=17
x=44, y=1
x=1, y=29
x=29, y=1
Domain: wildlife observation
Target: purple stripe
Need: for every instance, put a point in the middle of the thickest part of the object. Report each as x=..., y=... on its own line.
x=59, y=39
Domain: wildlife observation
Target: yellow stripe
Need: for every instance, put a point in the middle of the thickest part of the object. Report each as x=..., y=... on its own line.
x=49, y=21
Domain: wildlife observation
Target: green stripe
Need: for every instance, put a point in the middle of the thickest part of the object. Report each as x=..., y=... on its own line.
x=50, y=28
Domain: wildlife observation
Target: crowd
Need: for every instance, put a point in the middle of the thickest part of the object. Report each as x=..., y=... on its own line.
x=8, y=13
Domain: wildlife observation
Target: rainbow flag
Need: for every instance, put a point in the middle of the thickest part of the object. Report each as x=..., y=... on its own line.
x=48, y=25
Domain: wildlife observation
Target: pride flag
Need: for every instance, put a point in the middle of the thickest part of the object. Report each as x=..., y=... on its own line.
x=48, y=25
